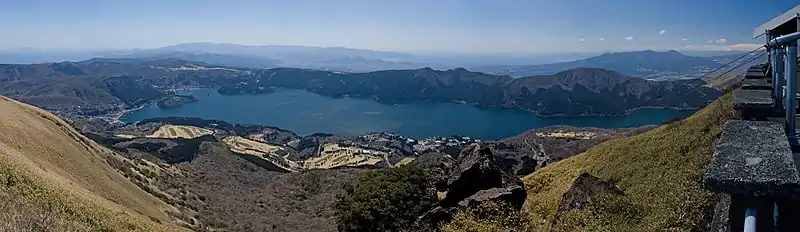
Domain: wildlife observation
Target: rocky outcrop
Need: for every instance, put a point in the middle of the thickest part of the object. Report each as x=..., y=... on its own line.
x=476, y=170
x=475, y=178
x=438, y=166
x=585, y=188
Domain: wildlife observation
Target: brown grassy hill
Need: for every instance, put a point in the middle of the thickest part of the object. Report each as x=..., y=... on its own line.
x=52, y=178
x=659, y=172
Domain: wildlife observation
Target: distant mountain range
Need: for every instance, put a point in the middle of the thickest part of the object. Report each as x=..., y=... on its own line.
x=648, y=64
x=272, y=56
x=99, y=86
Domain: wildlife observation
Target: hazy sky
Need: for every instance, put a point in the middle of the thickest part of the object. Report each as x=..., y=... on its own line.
x=401, y=25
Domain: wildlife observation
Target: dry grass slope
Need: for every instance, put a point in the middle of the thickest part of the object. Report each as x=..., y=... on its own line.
x=53, y=178
x=659, y=171
x=725, y=81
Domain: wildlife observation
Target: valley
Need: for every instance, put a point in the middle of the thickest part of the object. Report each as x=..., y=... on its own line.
x=179, y=159
x=218, y=172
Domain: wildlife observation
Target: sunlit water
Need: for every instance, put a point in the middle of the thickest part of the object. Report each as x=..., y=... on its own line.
x=307, y=113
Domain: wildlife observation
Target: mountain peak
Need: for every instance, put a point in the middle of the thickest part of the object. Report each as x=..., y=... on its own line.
x=460, y=70
x=427, y=69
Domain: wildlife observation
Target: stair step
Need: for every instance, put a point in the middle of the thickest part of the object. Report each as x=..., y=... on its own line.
x=752, y=158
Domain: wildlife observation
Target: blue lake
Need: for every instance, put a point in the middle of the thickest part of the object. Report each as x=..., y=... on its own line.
x=306, y=113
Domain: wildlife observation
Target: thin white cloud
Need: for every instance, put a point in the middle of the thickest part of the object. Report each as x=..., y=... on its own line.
x=581, y=39
x=722, y=41
x=684, y=39
x=662, y=32
x=601, y=39
x=709, y=41
x=723, y=47
x=629, y=38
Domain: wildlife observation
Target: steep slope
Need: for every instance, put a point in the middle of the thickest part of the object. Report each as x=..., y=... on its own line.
x=48, y=168
x=659, y=172
x=81, y=94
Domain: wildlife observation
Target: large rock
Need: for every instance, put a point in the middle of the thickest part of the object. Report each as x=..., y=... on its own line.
x=475, y=178
x=476, y=170
x=433, y=219
x=510, y=195
x=583, y=190
x=438, y=166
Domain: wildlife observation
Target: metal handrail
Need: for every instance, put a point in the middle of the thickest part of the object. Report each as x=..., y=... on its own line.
x=783, y=50
x=784, y=40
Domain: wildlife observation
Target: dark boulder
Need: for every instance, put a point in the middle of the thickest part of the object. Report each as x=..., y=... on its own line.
x=527, y=166
x=432, y=219
x=438, y=166
x=476, y=170
x=585, y=188
x=475, y=178
x=510, y=195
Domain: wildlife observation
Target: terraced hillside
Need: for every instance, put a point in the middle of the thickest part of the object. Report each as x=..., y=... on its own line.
x=52, y=178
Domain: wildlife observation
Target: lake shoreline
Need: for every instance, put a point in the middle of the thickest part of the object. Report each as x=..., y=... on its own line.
x=476, y=105
x=307, y=113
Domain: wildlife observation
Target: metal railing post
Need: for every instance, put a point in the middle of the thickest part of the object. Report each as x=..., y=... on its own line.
x=779, y=81
x=774, y=76
x=791, y=87
x=789, y=43
x=750, y=220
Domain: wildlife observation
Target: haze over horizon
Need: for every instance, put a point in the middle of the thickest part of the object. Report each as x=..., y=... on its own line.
x=401, y=26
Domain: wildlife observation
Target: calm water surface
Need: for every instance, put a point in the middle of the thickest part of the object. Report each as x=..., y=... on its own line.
x=307, y=113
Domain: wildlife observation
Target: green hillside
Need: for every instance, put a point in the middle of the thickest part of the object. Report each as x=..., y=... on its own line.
x=659, y=171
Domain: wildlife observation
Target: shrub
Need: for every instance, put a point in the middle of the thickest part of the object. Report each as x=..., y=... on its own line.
x=489, y=216
x=384, y=200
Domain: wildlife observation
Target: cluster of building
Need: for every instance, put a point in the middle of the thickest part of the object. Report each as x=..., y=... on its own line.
x=423, y=145
x=439, y=143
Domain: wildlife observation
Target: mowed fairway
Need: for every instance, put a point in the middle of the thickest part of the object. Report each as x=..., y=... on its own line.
x=174, y=131
x=262, y=150
x=250, y=147
x=404, y=161
x=334, y=155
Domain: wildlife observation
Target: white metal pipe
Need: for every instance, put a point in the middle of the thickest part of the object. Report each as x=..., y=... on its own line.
x=750, y=220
